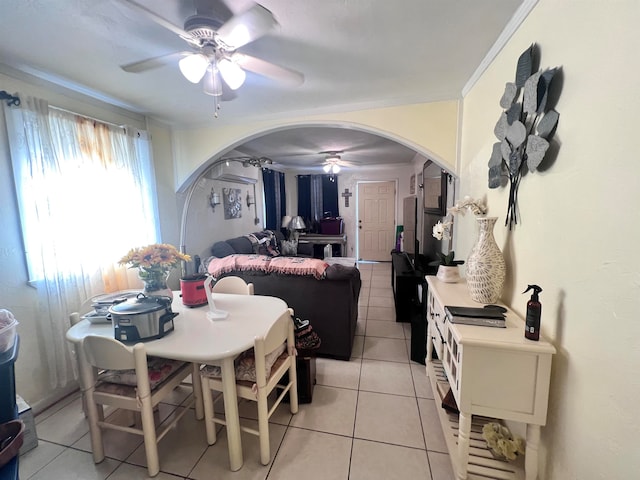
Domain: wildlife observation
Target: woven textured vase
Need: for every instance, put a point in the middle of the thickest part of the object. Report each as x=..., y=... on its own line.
x=485, y=266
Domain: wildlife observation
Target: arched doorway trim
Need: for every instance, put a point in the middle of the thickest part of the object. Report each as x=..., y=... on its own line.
x=419, y=149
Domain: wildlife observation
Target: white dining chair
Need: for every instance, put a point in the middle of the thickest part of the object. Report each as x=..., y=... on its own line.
x=129, y=380
x=233, y=284
x=258, y=372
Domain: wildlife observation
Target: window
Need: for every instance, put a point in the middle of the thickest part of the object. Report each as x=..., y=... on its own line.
x=317, y=197
x=86, y=196
x=275, y=198
x=85, y=190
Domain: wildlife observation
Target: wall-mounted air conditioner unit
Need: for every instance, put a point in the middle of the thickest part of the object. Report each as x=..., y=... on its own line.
x=235, y=172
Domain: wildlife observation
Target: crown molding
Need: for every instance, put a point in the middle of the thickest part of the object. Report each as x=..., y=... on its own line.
x=513, y=25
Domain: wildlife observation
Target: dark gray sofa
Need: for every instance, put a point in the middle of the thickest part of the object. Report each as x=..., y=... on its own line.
x=330, y=303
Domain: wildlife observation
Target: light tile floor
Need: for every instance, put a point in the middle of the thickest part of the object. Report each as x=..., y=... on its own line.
x=371, y=418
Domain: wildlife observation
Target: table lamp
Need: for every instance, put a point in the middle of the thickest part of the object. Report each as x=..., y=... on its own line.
x=297, y=224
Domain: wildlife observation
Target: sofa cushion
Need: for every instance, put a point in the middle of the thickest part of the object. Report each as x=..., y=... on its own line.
x=241, y=245
x=159, y=370
x=246, y=365
x=222, y=249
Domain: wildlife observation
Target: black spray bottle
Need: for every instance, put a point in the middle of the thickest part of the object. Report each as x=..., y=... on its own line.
x=534, y=311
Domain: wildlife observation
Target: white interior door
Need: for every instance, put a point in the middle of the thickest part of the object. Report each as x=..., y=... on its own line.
x=376, y=220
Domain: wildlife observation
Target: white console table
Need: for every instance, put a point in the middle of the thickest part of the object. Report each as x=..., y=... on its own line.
x=492, y=372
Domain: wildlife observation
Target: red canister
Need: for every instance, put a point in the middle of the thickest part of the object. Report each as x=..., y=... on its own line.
x=192, y=287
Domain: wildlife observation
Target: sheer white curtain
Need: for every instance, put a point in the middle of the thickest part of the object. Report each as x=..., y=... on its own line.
x=86, y=194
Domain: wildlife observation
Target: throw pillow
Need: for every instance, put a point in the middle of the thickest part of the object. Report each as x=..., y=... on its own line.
x=289, y=247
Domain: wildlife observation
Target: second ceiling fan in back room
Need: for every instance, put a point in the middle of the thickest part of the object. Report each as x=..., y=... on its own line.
x=333, y=162
x=214, y=36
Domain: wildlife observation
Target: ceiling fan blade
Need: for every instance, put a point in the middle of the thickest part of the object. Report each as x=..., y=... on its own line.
x=270, y=70
x=246, y=27
x=154, y=62
x=157, y=18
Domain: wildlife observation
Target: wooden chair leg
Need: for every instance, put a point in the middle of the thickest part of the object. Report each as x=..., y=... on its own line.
x=263, y=427
x=293, y=391
x=209, y=413
x=94, y=415
x=150, y=439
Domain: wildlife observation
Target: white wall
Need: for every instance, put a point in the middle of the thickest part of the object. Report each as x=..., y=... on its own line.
x=579, y=229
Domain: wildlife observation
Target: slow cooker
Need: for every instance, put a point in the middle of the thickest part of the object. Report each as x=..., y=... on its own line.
x=142, y=318
x=193, y=293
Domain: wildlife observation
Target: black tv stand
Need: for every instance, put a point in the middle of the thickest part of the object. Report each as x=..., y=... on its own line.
x=407, y=273
x=404, y=281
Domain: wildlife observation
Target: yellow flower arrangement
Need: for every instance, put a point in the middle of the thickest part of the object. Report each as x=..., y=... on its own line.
x=158, y=257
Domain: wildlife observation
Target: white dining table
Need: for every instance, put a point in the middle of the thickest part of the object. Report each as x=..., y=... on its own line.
x=198, y=340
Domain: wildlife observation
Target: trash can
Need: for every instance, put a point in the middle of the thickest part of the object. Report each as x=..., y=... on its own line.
x=8, y=408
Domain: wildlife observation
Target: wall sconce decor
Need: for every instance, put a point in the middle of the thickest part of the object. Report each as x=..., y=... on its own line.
x=214, y=199
x=250, y=200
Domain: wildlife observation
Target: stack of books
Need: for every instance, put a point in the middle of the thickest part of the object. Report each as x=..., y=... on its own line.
x=490, y=316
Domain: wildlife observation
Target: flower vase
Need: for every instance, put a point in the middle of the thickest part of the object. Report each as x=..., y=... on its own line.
x=448, y=273
x=486, y=268
x=155, y=282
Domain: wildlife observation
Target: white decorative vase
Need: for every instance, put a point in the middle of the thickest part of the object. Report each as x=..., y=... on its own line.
x=485, y=266
x=448, y=273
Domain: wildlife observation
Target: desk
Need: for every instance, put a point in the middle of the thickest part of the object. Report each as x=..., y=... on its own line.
x=197, y=339
x=319, y=239
x=492, y=372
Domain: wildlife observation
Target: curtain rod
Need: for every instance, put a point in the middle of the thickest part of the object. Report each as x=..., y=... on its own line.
x=15, y=100
x=11, y=99
x=53, y=107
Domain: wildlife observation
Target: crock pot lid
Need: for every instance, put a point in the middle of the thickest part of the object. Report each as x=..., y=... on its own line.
x=141, y=304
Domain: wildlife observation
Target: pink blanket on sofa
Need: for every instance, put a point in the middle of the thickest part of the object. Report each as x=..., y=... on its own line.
x=283, y=265
x=298, y=266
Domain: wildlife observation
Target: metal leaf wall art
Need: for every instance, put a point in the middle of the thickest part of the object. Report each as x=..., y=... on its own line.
x=523, y=130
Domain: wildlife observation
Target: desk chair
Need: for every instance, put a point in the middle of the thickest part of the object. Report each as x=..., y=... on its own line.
x=257, y=374
x=125, y=381
x=233, y=285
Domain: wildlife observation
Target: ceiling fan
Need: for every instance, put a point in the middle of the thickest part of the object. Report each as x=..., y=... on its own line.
x=214, y=42
x=333, y=162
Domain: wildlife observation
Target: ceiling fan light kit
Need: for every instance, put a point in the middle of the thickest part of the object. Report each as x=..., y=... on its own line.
x=211, y=83
x=232, y=74
x=193, y=67
x=215, y=43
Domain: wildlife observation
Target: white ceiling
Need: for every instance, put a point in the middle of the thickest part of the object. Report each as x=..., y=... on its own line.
x=353, y=53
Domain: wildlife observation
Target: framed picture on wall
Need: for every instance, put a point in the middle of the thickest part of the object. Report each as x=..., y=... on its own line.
x=412, y=184
x=232, y=200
